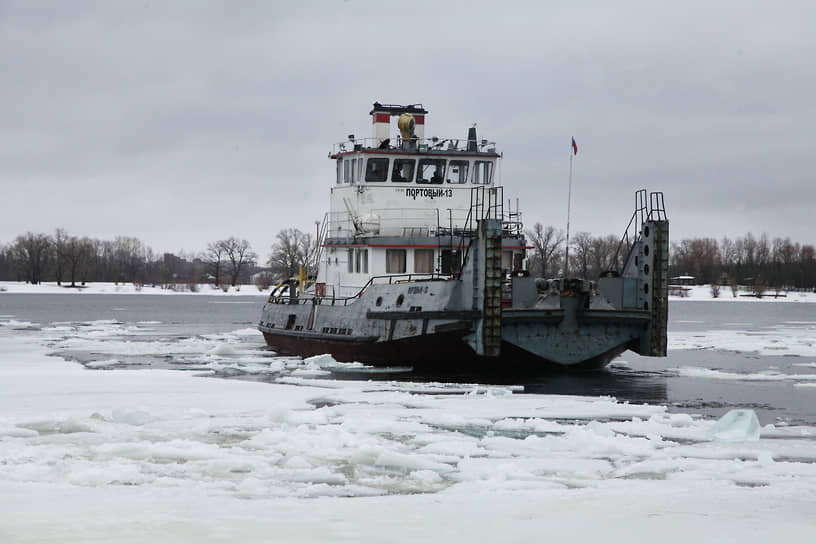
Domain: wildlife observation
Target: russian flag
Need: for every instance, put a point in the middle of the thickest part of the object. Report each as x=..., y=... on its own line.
x=574, y=147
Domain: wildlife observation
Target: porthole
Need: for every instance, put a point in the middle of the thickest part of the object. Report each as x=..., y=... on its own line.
x=646, y=288
x=379, y=301
x=646, y=231
x=646, y=268
x=400, y=300
x=646, y=250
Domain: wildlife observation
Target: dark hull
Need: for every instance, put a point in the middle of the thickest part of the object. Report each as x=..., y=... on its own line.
x=437, y=351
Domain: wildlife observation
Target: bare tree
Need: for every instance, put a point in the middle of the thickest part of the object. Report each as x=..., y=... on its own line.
x=60, y=239
x=582, y=244
x=238, y=254
x=129, y=256
x=696, y=256
x=75, y=253
x=289, y=252
x=214, y=257
x=546, y=242
x=31, y=254
x=603, y=255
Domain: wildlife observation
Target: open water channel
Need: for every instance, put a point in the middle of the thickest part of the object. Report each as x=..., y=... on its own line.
x=722, y=355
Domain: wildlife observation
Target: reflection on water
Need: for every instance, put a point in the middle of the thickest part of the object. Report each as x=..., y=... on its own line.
x=631, y=386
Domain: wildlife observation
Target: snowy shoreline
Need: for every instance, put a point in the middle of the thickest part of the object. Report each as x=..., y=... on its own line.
x=703, y=292
x=51, y=288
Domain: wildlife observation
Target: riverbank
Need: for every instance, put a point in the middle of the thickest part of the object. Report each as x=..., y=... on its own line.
x=704, y=292
x=50, y=288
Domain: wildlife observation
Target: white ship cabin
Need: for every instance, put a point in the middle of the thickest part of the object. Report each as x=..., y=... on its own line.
x=400, y=204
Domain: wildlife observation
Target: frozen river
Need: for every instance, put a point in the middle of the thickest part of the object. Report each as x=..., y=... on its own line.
x=125, y=436
x=722, y=355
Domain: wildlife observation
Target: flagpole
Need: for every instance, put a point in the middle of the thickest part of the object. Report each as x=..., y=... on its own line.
x=569, y=204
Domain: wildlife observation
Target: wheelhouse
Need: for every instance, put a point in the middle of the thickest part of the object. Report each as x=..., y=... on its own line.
x=401, y=203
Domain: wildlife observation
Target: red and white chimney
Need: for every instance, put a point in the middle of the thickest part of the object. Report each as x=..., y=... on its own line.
x=381, y=123
x=381, y=120
x=419, y=125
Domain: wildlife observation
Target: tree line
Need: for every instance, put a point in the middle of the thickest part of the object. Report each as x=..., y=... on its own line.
x=748, y=260
x=589, y=255
x=76, y=260
x=66, y=259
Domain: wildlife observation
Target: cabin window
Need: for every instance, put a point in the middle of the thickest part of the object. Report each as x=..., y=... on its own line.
x=451, y=261
x=518, y=259
x=482, y=172
x=361, y=261
x=457, y=171
x=423, y=261
x=431, y=171
x=395, y=261
x=346, y=170
x=376, y=169
x=403, y=170
x=350, y=263
x=359, y=168
x=339, y=171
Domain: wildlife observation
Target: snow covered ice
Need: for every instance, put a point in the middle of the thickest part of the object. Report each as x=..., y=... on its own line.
x=129, y=454
x=736, y=426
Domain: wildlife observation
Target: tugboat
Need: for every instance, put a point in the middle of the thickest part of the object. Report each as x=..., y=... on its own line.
x=419, y=263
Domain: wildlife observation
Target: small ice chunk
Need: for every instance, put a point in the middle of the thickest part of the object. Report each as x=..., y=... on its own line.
x=131, y=416
x=765, y=459
x=223, y=350
x=17, y=432
x=320, y=361
x=735, y=426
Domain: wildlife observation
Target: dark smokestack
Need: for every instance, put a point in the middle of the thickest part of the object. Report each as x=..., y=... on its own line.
x=472, y=139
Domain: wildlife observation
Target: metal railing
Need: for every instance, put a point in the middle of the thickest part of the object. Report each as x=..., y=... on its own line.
x=393, y=222
x=345, y=301
x=416, y=144
x=646, y=209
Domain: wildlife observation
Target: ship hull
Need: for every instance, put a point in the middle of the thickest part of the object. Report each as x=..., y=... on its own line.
x=448, y=351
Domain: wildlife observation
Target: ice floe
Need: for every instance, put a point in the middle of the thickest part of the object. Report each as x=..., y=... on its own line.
x=144, y=447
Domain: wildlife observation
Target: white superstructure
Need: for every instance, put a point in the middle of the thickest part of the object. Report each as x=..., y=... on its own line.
x=400, y=203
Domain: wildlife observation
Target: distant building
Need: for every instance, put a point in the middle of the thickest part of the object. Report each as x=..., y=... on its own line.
x=683, y=280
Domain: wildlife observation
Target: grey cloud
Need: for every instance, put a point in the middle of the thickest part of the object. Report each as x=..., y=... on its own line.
x=173, y=114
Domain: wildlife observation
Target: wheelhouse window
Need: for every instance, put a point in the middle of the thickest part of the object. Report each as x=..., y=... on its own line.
x=395, y=261
x=346, y=170
x=339, y=171
x=350, y=260
x=431, y=171
x=361, y=261
x=376, y=169
x=423, y=261
x=457, y=171
x=359, y=168
x=482, y=172
x=403, y=170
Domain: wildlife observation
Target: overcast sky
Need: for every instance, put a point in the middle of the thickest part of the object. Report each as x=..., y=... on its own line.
x=186, y=122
